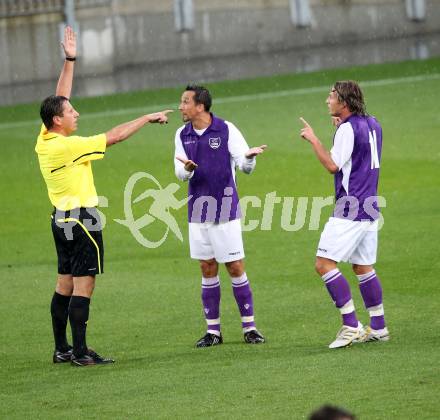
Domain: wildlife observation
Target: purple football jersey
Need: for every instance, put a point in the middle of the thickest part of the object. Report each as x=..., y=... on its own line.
x=356, y=189
x=212, y=188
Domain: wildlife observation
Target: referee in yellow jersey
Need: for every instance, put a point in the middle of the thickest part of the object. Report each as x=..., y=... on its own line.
x=66, y=165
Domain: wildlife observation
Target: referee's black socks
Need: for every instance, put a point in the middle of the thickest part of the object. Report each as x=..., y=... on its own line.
x=78, y=316
x=59, y=309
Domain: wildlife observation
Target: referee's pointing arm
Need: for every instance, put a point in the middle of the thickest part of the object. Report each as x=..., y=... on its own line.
x=123, y=131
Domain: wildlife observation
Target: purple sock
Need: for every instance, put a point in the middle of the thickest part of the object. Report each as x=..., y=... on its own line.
x=339, y=291
x=243, y=297
x=371, y=291
x=211, y=303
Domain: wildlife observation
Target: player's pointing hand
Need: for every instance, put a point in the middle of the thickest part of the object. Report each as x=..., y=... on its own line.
x=160, y=117
x=189, y=164
x=307, y=132
x=254, y=151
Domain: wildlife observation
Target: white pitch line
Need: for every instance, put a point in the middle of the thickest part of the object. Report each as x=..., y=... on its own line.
x=231, y=99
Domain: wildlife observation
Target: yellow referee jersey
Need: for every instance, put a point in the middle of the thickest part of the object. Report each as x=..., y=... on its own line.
x=65, y=163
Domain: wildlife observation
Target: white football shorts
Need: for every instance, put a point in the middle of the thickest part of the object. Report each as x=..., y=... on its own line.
x=222, y=241
x=349, y=241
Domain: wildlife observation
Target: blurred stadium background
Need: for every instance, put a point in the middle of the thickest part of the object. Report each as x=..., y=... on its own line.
x=135, y=56
x=128, y=45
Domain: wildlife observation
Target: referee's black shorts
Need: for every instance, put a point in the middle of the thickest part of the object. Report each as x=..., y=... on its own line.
x=78, y=241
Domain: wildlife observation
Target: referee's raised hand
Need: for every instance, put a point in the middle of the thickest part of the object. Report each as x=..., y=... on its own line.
x=69, y=42
x=65, y=81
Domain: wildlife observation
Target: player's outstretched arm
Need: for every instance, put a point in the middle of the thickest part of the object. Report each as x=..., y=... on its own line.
x=321, y=153
x=243, y=156
x=255, y=151
x=124, y=131
x=65, y=81
x=189, y=165
x=183, y=167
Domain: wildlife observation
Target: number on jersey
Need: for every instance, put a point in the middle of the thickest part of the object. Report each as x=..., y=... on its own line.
x=373, y=145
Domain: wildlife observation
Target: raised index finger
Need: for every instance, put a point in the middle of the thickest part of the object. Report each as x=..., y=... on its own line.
x=167, y=111
x=306, y=124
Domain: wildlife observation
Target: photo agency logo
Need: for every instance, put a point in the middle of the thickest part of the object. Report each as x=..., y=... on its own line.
x=149, y=217
x=162, y=200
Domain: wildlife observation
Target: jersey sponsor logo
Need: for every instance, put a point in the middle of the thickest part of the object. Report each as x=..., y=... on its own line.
x=189, y=142
x=215, y=142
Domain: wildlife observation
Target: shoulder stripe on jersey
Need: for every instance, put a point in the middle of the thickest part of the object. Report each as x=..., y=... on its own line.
x=78, y=158
x=51, y=138
x=54, y=170
x=87, y=154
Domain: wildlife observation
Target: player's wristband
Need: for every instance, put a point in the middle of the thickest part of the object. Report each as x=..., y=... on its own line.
x=71, y=58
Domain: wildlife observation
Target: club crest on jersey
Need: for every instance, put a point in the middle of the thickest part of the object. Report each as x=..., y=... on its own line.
x=215, y=142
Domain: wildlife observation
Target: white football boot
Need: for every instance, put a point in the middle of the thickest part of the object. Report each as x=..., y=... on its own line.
x=346, y=336
x=368, y=334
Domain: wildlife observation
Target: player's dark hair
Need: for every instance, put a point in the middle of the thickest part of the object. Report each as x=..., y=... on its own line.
x=201, y=96
x=52, y=106
x=328, y=412
x=349, y=92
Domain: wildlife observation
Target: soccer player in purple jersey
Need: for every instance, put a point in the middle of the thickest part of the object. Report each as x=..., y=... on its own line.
x=207, y=151
x=350, y=235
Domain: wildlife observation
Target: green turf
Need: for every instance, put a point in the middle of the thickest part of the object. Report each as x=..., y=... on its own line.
x=146, y=310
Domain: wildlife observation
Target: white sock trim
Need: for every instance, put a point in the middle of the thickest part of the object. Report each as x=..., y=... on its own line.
x=213, y=321
x=347, y=308
x=331, y=274
x=247, y=319
x=237, y=281
x=366, y=276
x=215, y=332
x=210, y=281
x=376, y=310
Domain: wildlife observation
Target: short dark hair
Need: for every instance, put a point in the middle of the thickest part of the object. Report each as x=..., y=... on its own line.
x=201, y=96
x=349, y=92
x=52, y=106
x=328, y=412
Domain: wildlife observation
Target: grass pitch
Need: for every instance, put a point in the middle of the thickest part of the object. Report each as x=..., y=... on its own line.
x=146, y=310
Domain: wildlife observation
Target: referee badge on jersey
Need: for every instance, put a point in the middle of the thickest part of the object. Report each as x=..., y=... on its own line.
x=215, y=142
